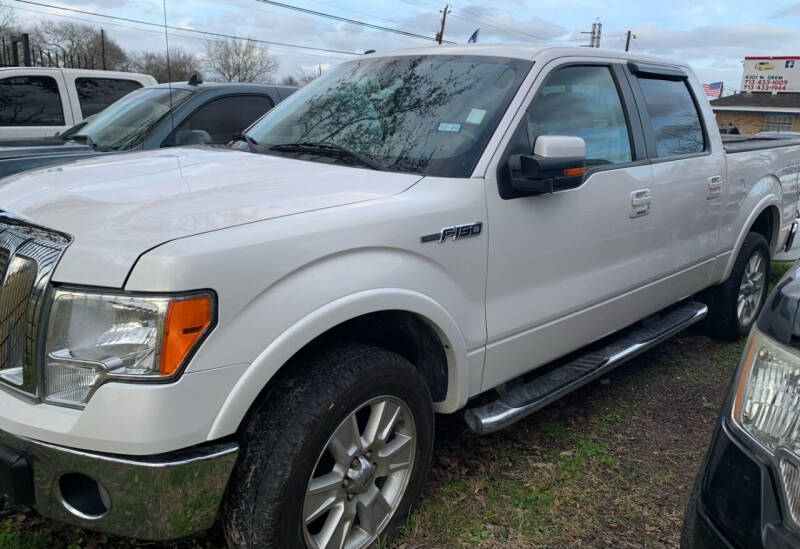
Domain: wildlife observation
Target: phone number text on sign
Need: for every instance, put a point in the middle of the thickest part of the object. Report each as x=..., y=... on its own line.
x=751, y=84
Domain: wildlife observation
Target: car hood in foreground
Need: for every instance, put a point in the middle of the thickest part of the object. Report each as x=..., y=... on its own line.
x=119, y=206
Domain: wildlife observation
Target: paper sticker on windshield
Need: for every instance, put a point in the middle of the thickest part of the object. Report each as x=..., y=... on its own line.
x=475, y=116
x=449, y=127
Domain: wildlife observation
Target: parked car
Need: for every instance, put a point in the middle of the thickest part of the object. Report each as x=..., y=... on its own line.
x=747, y=491
x=40, y=101
x=165, y=115
x=268, y=328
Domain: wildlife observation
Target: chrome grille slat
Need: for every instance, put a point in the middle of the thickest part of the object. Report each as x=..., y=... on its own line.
x=28, y=256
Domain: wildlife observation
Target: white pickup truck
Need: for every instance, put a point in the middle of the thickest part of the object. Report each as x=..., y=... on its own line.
x=264, y=331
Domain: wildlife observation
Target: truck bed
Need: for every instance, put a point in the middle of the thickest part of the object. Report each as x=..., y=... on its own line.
x=743, y=143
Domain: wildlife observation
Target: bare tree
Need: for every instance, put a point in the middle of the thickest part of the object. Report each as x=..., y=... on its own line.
x=179, y=67
x=9, y=22
x=79, y=44
x=300, y=78
x=239, y=61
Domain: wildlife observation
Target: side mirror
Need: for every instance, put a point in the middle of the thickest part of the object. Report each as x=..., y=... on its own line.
x=193, y=137
x=557, y=164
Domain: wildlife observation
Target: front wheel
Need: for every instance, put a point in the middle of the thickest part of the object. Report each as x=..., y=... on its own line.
x=734, y=305
x=333, y=457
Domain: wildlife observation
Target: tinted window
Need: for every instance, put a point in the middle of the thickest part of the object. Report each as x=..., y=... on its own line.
x=673, y=116
x=30, y=101
x=428, y=114
x=583, y=102
x=95, y=94
x=222, y=118
x=126, y=122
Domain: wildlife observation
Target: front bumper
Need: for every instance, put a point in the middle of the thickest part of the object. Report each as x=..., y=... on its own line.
x=155, y=497
x=738, y=504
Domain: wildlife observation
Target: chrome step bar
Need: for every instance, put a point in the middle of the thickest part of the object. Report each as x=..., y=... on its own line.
x=523, y=398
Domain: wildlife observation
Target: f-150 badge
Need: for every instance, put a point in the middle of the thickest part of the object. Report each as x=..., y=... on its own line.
x=454, y=233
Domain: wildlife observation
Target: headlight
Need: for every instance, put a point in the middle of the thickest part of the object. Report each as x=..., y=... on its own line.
x=93, y=337
x=767, y=401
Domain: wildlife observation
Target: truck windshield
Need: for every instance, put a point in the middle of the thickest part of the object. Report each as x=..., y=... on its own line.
x=431, y=115
x=126, y=122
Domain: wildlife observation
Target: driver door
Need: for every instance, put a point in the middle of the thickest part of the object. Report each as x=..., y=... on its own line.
x=568, y=268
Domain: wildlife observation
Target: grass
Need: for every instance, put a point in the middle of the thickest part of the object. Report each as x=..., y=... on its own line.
x=777, y=270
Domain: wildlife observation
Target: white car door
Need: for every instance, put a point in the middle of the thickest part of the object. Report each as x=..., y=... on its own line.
x=33, y=103
x=570, y=267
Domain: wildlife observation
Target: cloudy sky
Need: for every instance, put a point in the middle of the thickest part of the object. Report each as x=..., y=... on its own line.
x=713, y=36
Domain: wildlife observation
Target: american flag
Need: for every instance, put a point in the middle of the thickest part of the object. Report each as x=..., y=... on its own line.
x=713, y=90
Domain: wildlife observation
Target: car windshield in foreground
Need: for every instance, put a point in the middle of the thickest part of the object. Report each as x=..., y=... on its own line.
x=431, y=115
x=126, y=122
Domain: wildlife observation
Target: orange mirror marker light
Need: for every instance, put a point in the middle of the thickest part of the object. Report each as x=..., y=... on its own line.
x=187, y=320
x=572, y=172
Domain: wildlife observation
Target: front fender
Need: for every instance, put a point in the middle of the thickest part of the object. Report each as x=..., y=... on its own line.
x=285, y=346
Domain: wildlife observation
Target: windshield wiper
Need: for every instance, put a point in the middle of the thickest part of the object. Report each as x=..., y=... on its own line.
x=252, y=144
x=326, y=149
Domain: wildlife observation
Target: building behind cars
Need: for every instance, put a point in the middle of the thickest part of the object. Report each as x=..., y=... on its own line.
x=42, y=101
x=769, y=99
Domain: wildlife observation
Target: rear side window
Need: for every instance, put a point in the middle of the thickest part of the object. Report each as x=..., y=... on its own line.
x=30, y=101
x=95, y=94
x=222, y=118
x=583, y=101
x=673, y=117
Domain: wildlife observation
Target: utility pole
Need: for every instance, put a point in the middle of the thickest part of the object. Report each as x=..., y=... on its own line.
x=440, y=34
x=594, y=39
x=103, y=47
x=597, y=29
x=628, y=41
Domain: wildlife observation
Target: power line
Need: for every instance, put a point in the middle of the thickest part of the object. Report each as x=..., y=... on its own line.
x=206, y=33
x=479, y=21
x=346, y=20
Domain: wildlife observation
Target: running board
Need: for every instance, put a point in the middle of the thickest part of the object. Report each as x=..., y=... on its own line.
x=523, y=398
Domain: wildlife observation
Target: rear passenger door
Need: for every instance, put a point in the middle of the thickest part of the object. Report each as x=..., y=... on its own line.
x=223, y=117
x=33, y=105
x=688, y=175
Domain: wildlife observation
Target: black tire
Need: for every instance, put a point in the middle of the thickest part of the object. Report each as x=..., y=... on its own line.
x=723, y=321
x=290, y=427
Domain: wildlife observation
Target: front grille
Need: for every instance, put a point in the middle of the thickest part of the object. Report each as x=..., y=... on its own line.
x=28, y=256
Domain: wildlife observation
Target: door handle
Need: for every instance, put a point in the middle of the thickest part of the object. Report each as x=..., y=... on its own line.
x=714, y=187
x=640, y=203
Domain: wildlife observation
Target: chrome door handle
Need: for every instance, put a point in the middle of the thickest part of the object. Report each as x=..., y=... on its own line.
x=640, y=203
x=714, y=187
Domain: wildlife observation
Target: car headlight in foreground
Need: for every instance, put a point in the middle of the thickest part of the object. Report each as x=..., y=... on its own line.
x=766, y=407
x=95, y=337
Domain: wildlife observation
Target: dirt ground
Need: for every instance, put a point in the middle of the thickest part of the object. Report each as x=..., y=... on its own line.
x=608, y=466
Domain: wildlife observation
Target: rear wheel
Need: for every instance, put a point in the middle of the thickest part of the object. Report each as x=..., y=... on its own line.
x=735, y=304
x=334, y=456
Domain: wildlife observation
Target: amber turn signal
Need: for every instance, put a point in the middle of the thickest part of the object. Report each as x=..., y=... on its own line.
x=186, y=322
x=573, y=172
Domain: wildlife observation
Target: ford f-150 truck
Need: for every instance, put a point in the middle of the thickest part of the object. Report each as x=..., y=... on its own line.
x=263, y=332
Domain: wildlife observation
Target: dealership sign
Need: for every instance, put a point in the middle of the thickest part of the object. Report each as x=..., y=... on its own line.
x=771, y=74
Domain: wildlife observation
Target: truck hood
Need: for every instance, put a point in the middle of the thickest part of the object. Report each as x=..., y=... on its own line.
x=119, y=206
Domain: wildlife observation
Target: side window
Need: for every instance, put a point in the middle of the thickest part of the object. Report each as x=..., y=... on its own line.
x=30, y=101
x=222, y=118
x=95, y=94
x=583, y=101
x=673, y=117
